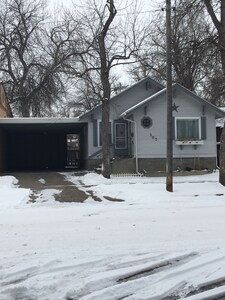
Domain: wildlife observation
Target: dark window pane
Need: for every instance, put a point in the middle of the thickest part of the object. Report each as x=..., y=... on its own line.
x=188, y=129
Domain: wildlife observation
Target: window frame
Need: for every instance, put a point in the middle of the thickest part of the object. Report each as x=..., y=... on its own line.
x=188, y=118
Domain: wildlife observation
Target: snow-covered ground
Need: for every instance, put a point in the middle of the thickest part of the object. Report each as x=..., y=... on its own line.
x=152, y=245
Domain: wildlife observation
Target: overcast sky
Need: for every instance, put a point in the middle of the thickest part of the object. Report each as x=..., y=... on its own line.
x=147, y=7
x=144, y=4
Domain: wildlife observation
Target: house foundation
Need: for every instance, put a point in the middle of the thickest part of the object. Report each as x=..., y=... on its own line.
x=154, y=165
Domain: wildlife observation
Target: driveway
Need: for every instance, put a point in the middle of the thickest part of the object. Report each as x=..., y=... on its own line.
x=39, y=181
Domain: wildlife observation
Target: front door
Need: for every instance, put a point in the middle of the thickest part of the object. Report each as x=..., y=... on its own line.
x=73, y=153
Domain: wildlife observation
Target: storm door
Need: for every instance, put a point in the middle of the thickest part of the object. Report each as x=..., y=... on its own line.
x=120, y=142
x=73, y=147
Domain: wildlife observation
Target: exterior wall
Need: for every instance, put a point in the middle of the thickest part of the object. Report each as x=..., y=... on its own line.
x=151, y=146
x=127, y=165
x=91, y=148
x=93, y=164
x=148, y=166
x=188, y=107
x=4, y=106
x=152, y=141
x=118, y=105
x=131, y=96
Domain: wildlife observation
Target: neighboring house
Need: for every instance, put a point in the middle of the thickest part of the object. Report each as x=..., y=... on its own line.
x=137, y=137
x=5, y=110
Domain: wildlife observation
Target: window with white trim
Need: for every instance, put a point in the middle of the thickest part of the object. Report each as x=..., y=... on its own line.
x=100, y=133
x=188, y=129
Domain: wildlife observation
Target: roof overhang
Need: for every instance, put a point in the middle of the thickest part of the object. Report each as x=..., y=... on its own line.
x=218, y=112
x=69, y=125
x=38, y=120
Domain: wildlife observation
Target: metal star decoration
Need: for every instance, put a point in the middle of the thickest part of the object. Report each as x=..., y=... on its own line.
x=175, y=107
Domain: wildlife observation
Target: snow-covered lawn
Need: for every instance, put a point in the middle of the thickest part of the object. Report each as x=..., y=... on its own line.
x=153, y=245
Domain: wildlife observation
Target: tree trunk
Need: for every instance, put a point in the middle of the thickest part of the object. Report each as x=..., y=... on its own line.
x=222, y=140
x=222, y=158
x=106, y=170
x=25, y=108
x=222, y=55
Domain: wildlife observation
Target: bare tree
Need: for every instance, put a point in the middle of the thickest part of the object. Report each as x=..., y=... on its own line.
x=110, y=43
x=33, y=55
x=191, y=43
x=88, y=90
x=216, y=10
x=213, y=87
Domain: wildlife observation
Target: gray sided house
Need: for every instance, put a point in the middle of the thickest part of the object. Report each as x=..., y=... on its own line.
x=137, y=134
x=138, y=130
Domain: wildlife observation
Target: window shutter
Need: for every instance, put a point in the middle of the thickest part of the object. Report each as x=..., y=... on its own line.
x=203, y=128
x=95, y=133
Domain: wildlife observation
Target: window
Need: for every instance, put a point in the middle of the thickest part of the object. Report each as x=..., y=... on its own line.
x=100, y=133
x=188, y=129
x=120, y=135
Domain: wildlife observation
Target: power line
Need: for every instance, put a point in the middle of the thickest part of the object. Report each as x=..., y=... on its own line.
x=118, y=15
x=140, y=12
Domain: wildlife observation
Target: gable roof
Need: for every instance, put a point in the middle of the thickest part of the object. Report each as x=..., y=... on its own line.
x=218, y=111
x=154, y=82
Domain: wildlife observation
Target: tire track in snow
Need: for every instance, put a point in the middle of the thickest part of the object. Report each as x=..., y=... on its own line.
x=189, y=275
x=172, y=282
x=119, y=281
x=158, y=267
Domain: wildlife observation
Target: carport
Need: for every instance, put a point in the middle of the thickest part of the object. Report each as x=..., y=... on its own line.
x=31, y=144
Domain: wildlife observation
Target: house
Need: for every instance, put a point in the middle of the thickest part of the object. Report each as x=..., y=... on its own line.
x=137, y=134
x=139, y=128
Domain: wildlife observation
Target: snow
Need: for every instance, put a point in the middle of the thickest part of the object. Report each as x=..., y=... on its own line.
x=152, y=245
x=11, y=196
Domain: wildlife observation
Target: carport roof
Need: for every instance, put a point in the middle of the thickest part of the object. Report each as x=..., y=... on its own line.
x=69, y=125
x=38, y=120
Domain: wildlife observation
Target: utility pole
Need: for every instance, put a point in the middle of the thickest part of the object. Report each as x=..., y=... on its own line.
x=169, y=152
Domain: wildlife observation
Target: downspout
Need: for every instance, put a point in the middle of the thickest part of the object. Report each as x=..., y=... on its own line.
x=136, y=140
